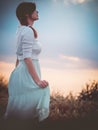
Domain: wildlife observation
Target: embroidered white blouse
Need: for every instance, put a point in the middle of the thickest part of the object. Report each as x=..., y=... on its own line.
x=26, y=44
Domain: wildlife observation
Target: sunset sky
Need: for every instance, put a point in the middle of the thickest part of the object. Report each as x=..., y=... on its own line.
x=68, y=32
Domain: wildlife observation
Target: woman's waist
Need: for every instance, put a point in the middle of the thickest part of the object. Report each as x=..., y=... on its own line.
x=33, y=60
x=20, y=57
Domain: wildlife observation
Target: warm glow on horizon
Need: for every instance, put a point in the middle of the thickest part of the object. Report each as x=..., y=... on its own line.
x=6, y=68
x=63, y=81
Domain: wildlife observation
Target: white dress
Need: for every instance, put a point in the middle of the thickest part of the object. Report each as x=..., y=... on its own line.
x=27, y=99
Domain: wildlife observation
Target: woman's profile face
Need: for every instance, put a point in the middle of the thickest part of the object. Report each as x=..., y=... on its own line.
x=35, y=15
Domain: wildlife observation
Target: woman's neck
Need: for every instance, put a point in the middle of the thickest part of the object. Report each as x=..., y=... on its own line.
x=30, y=23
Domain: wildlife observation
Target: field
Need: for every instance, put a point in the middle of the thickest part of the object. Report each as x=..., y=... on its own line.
x=66, y=113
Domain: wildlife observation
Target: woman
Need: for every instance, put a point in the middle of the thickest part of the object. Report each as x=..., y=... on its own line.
x=29, y=96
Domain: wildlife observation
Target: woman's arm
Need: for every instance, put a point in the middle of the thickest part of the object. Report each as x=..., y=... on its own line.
x=31, y=69
x=17, y=61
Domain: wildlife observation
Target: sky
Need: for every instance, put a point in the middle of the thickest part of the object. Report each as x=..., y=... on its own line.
x=68, y=32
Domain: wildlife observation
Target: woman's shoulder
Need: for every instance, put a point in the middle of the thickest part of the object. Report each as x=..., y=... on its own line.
x=27, y=30
x=27, y=33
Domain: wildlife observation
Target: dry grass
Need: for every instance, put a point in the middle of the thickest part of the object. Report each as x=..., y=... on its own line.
x=71, y=107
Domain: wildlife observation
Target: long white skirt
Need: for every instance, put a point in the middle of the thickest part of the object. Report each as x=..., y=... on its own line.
x=26, y=99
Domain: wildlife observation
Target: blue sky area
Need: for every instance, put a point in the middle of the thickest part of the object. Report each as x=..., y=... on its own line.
x=66, y=28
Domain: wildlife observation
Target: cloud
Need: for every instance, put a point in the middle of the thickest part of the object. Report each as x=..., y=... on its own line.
x=70, y=58
x=72, y=62
x=68, y=2
x=61, y=62
x=68, y=62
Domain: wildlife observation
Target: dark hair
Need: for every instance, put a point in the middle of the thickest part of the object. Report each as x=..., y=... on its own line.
x=25, y=8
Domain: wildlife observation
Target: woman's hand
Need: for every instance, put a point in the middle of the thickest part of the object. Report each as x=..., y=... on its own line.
x=43, y=83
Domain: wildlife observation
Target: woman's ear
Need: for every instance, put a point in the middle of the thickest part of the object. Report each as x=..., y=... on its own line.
x=27, y=15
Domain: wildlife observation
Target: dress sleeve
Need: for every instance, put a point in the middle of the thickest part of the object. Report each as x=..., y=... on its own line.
x=27, y=43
